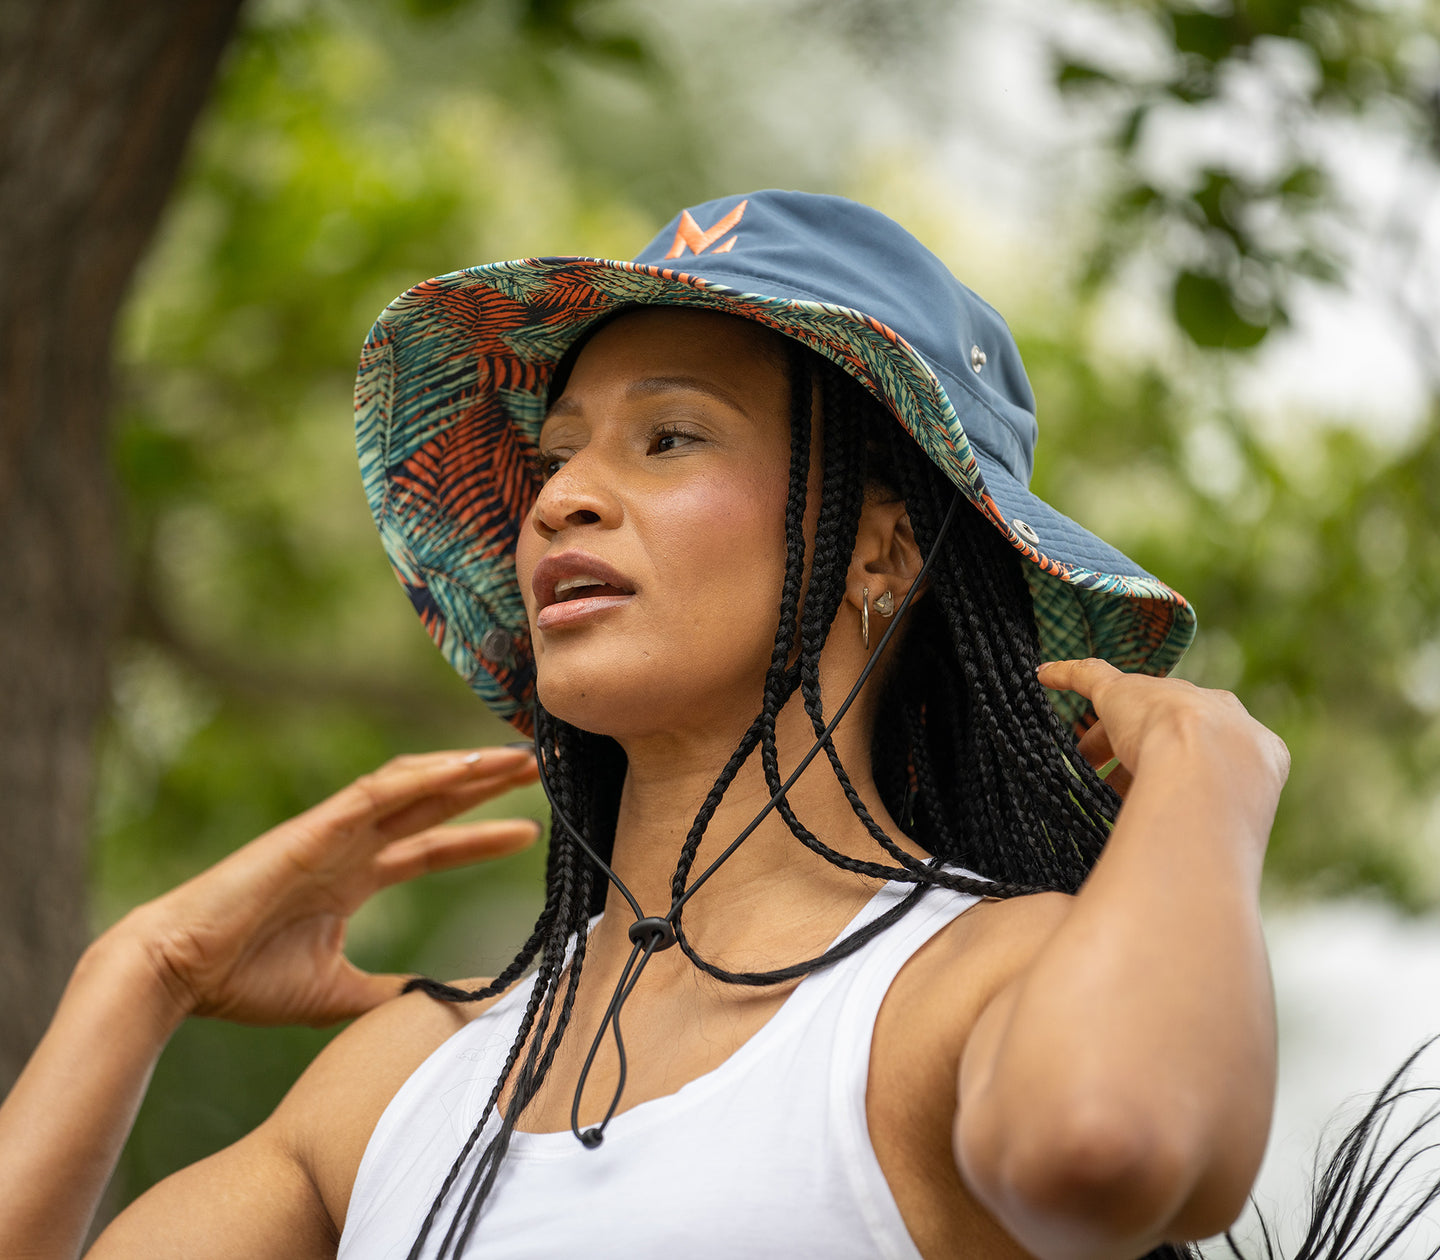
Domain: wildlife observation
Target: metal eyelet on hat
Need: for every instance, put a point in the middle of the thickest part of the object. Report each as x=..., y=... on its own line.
x=496, y=646
x=977, y=358
x=1025, y=530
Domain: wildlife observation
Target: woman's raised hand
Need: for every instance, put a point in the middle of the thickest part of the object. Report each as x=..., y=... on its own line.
x=259, y=937
x=1133, y=709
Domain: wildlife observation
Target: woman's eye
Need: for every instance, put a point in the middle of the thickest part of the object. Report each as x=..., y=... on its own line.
x=669, y=440
x=546, y=466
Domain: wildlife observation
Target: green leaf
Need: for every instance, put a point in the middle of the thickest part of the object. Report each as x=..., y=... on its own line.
x=1196, y=85
x=1074, y=74
x=1129, y=133
x=1216, y=198
x=1206, y=313
x=623, y=51
x=1317, y=265
x=1305, y=182
x=1209, y=35
x=1137, y=197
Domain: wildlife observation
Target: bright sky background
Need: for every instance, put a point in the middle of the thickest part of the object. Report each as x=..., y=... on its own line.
x=1358, y=988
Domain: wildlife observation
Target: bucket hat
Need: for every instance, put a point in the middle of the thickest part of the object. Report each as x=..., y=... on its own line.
x=454, y=376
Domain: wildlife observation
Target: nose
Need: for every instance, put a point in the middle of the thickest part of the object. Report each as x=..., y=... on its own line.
x=578, y=493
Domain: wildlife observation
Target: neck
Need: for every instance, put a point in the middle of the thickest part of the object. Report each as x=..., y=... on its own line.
x=772, y=897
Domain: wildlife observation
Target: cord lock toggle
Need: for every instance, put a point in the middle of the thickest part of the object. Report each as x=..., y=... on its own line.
x=660, y=931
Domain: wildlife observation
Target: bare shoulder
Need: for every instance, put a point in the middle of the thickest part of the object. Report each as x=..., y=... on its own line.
x=329, y=1114
x=284, y=1188
x=941, y=990
x=993, y=940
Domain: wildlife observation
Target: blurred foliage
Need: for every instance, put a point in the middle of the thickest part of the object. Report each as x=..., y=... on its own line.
x=1242, y=230
x=1310, y=549
x=352, y=151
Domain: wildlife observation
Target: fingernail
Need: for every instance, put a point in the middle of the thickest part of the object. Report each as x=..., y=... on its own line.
x=512, y=749
x=479, y=754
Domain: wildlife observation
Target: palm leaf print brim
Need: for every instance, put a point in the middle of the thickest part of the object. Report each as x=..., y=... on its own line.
x=452, y=390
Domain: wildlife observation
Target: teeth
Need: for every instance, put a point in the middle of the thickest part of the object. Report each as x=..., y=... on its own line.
x=566, y=585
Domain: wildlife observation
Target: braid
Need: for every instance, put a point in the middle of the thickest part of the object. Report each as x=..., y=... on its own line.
x=968, y=700
x=844, y=411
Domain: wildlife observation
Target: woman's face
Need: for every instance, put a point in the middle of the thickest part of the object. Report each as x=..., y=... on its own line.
x=652, y=561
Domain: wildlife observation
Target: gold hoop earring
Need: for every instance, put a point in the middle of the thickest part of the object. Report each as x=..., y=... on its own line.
x=865, y=617
x=885, y=604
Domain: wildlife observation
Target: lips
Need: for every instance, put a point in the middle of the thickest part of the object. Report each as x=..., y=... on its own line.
x=574, y=577
x=582, y=588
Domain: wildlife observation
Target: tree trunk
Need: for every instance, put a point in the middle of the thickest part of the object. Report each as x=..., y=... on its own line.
x=97, y=100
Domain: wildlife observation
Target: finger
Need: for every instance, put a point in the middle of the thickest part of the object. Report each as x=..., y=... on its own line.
x=426, y=812
x=444, y=848
x=1095, y=747
x=1084, y=677
x=406, y=779
x=356, y=992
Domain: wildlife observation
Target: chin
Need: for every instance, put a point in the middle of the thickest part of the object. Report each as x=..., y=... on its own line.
x=604, y=701
x=645, y=699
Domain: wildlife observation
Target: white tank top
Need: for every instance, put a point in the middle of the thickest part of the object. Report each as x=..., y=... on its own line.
x=768, y=1154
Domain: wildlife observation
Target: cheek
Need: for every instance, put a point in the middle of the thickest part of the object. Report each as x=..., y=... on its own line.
x=529, y=547
x=722, y=533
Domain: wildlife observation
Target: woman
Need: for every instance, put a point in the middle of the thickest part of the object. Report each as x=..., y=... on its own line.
x=648, y=517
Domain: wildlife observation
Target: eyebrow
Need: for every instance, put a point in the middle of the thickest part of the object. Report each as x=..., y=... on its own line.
x=650, y=386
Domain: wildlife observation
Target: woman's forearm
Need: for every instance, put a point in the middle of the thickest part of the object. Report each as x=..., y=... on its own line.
x=1135, y=1057
x=64, y=1123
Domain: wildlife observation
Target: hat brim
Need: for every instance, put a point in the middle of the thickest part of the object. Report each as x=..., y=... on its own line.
x=452, y=390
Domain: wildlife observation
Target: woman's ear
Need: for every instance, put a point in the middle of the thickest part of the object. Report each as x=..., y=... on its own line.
x=886, y=559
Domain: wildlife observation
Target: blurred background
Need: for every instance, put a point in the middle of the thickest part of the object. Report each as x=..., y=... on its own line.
x=1214, y=228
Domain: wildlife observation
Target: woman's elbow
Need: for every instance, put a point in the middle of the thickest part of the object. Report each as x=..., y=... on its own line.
x=1094, y=1183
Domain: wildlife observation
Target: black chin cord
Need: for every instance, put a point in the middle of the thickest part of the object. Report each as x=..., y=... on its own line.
x=652, y=935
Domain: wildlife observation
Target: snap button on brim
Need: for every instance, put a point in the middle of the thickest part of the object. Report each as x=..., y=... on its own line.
x=1026, y=531
x=496, y=646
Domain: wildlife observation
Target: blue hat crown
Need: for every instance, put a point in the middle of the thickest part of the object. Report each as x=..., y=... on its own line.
x=819, y=248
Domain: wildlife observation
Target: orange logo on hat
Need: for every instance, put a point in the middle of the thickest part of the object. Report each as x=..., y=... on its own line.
x=689, y=233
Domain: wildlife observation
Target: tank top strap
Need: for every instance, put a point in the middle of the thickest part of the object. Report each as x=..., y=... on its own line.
x=886, y=955
x=853, y=1033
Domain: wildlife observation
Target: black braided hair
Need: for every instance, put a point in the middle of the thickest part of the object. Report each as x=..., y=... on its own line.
x=968, y=753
